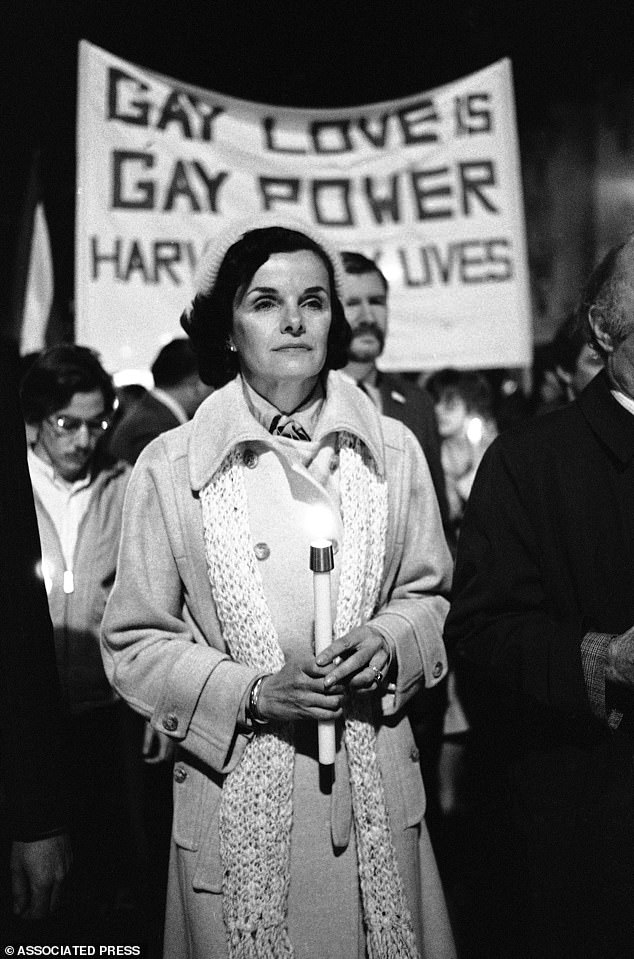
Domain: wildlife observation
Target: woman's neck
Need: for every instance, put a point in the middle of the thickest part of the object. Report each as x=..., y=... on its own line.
x=286, y=397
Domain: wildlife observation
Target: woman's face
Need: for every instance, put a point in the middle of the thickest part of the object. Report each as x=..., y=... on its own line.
x=451, y=414
x=281, y=321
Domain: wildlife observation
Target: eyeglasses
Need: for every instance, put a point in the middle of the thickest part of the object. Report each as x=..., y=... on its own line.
x=70, y=425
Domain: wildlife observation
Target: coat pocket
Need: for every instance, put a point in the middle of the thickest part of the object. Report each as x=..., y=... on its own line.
x=400, y=767
x=208, y=872
x=190, y=789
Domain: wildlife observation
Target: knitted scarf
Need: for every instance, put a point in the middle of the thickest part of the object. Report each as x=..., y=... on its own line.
x=256, y=805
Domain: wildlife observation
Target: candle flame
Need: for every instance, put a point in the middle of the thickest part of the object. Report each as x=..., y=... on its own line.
x=44, y=570
x=475, y=430
x=320, y=524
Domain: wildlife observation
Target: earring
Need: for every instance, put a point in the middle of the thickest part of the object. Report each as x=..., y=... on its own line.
x=231, y=347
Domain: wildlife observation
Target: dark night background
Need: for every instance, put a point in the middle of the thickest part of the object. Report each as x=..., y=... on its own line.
x=301, y=54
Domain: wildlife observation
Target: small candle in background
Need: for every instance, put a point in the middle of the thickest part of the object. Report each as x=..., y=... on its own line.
x=321, y=564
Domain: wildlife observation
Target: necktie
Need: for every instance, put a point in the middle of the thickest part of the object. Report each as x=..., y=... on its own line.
x=282, y=425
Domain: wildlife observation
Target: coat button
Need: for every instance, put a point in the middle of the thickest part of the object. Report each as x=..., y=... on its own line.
x=170, y=723
x=261, y=551
x=180, y=774
x=250, y=459
x=414, y=755
x=437, y=670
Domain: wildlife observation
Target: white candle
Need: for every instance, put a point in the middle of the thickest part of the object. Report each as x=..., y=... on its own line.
x=321, y=563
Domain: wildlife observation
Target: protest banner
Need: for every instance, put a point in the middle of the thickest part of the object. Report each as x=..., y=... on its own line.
x=428, y=185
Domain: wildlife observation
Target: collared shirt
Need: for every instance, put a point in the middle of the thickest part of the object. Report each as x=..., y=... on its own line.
x=306, y=414
x=173, y=405
x=66, y=503
x=626, y=401
x=369, y=385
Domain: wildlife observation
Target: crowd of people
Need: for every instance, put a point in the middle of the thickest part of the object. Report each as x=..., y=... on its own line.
x=162, y=693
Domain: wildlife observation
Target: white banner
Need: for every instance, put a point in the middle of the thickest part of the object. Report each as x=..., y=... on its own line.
x=429, y=186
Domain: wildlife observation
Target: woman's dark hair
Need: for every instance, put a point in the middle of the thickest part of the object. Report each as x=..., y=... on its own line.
x=57, y=374
x=209, y=323
x=467, y=385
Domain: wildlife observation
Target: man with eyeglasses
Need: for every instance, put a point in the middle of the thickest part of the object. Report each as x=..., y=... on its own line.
x=68, y=401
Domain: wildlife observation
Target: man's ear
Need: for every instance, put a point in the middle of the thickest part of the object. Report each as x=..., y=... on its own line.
x=603, y=338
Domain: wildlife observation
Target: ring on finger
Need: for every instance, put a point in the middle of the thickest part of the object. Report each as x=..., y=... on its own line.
x=378, y=675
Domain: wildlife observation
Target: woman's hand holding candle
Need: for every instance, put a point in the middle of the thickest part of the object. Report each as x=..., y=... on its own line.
x=364, y=660
x=298, y=691
x=306, y=688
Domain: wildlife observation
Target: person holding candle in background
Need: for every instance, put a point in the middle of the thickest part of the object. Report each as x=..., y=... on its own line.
x=209, y=631
x=68, y=400
x=463, y=404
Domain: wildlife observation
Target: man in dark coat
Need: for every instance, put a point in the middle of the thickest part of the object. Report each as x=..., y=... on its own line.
x=366, y=309
x=178, y=392
x=541, y=634
x=366, y=293
x=31, y=769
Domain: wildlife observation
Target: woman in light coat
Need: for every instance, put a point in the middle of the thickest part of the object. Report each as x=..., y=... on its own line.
x=209, y=631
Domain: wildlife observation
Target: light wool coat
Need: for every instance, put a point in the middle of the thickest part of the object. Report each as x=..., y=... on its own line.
x=164, y=653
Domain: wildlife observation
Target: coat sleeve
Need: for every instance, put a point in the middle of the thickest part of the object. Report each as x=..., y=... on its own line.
x=502, y=620
x=155, y=652
x=418, y=571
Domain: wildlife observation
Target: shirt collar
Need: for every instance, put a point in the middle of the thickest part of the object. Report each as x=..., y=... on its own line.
x=306, y=414
x=224, y=420
x=371, y=378
x=626, y=401
x=173, y=405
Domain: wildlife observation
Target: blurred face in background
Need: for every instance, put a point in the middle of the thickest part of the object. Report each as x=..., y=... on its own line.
x=550, y=388
x=365, y=306
x=67, y=439
x=588, y=365
x=451, y=415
